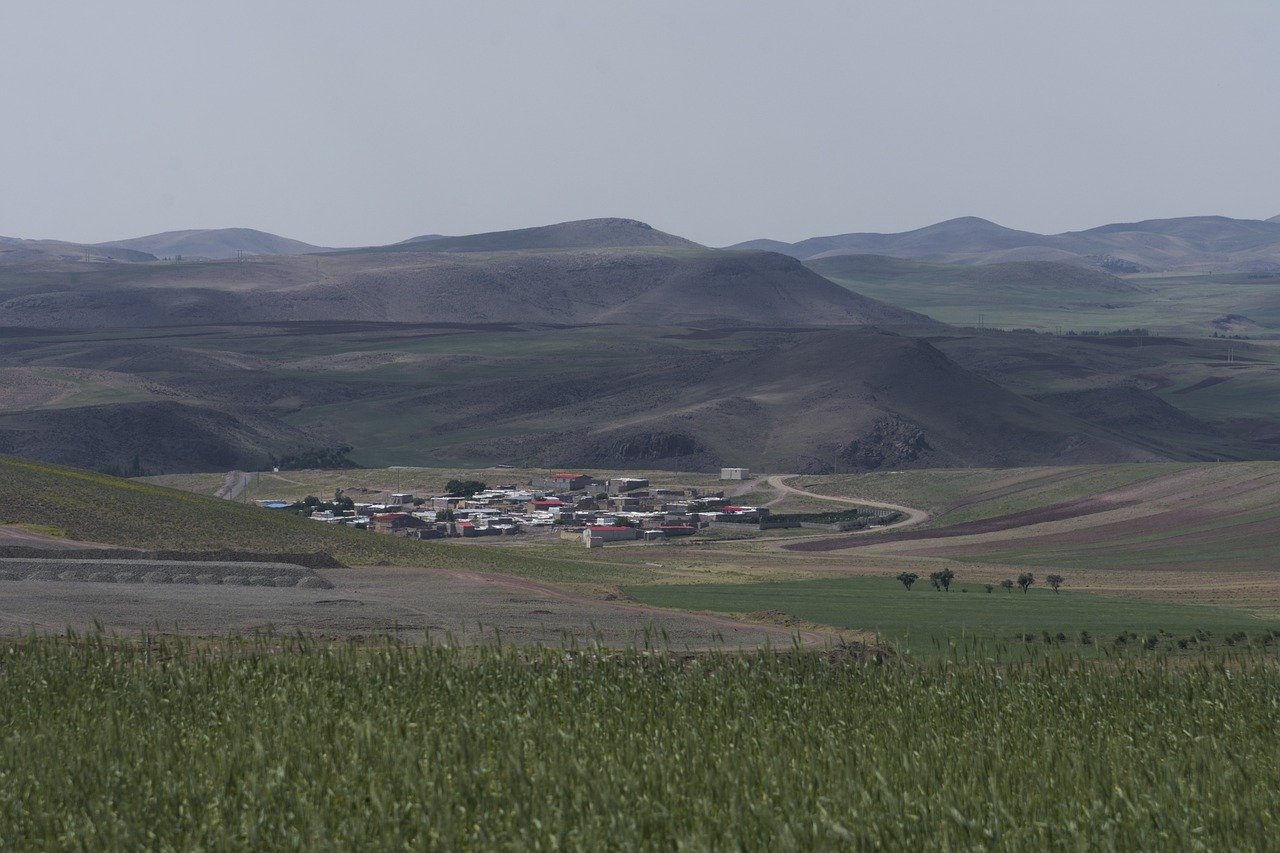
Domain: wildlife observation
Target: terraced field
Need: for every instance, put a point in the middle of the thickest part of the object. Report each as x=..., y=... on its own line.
x=1189, y=518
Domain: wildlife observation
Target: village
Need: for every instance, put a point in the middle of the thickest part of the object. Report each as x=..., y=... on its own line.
x=580, y=508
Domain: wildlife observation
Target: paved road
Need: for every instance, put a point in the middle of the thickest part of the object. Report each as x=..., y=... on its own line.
x=912, y=515
x=236, y=482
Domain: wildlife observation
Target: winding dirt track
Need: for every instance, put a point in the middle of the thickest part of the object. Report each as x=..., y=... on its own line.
x=913, y=515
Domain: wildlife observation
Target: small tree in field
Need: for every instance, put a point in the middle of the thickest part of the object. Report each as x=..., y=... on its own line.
x=1054, y=581
x=1007, y=584
x=1025, y=580
x=942, y=580
x=907, y=579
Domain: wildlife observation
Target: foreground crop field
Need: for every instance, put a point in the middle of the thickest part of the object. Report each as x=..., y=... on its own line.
x=282, y=744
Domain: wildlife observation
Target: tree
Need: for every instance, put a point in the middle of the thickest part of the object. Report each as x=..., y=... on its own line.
x=942, y=580
x=1025, y=580
x=464, y=488
x=1054, y=581
x=990, y=587
x=316, y=457
x=907, y=579
x=1007, y=584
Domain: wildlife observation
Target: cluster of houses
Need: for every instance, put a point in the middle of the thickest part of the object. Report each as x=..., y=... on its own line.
x=577, y=506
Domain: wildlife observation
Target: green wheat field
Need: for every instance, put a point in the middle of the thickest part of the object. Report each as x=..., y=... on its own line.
x=283, y=744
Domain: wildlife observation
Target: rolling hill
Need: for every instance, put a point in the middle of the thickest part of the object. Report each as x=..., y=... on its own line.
x=19, y=253
x=797, y=401
x=603, y=285
x=608, y=343
x=214, y=243
x=1196, y=243
x=150, y=436
x=609, y=232
x=606, y=396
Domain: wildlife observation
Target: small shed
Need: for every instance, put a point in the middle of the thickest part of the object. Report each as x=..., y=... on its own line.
x=735, y=473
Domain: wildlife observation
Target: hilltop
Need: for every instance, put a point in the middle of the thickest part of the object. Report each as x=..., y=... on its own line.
x=582, y=234
x=1196, y=243
x=214, y=243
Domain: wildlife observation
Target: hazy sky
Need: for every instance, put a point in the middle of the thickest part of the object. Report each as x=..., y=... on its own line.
x=344, y=123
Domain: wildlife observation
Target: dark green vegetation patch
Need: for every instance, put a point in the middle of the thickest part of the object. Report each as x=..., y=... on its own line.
x=998, y=623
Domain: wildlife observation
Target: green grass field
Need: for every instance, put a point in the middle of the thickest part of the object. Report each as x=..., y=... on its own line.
x=929, y=623
x=1167, y=305
x=282, y=744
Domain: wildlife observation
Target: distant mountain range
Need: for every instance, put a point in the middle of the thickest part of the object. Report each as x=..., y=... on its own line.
x=1195, y=243
x=595, y=271
x=200, y=244
x=609, y=343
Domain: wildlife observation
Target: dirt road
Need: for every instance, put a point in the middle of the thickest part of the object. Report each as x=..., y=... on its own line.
x=912, y=515
x=236, y=482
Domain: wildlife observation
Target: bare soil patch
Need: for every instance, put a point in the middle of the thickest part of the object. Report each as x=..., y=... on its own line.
x=409, y=603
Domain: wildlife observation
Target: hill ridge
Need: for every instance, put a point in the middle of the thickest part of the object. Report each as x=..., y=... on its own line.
x=1181, y=243
x=599, y=233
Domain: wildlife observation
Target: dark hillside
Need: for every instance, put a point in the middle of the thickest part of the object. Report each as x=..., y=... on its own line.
x=578, y=286
x=154, y=437
x=1128, y=408
x=759, y=288
x=804, y=398
x=853, y=398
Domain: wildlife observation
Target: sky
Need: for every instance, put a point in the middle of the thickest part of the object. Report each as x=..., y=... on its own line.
x=343, y=124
